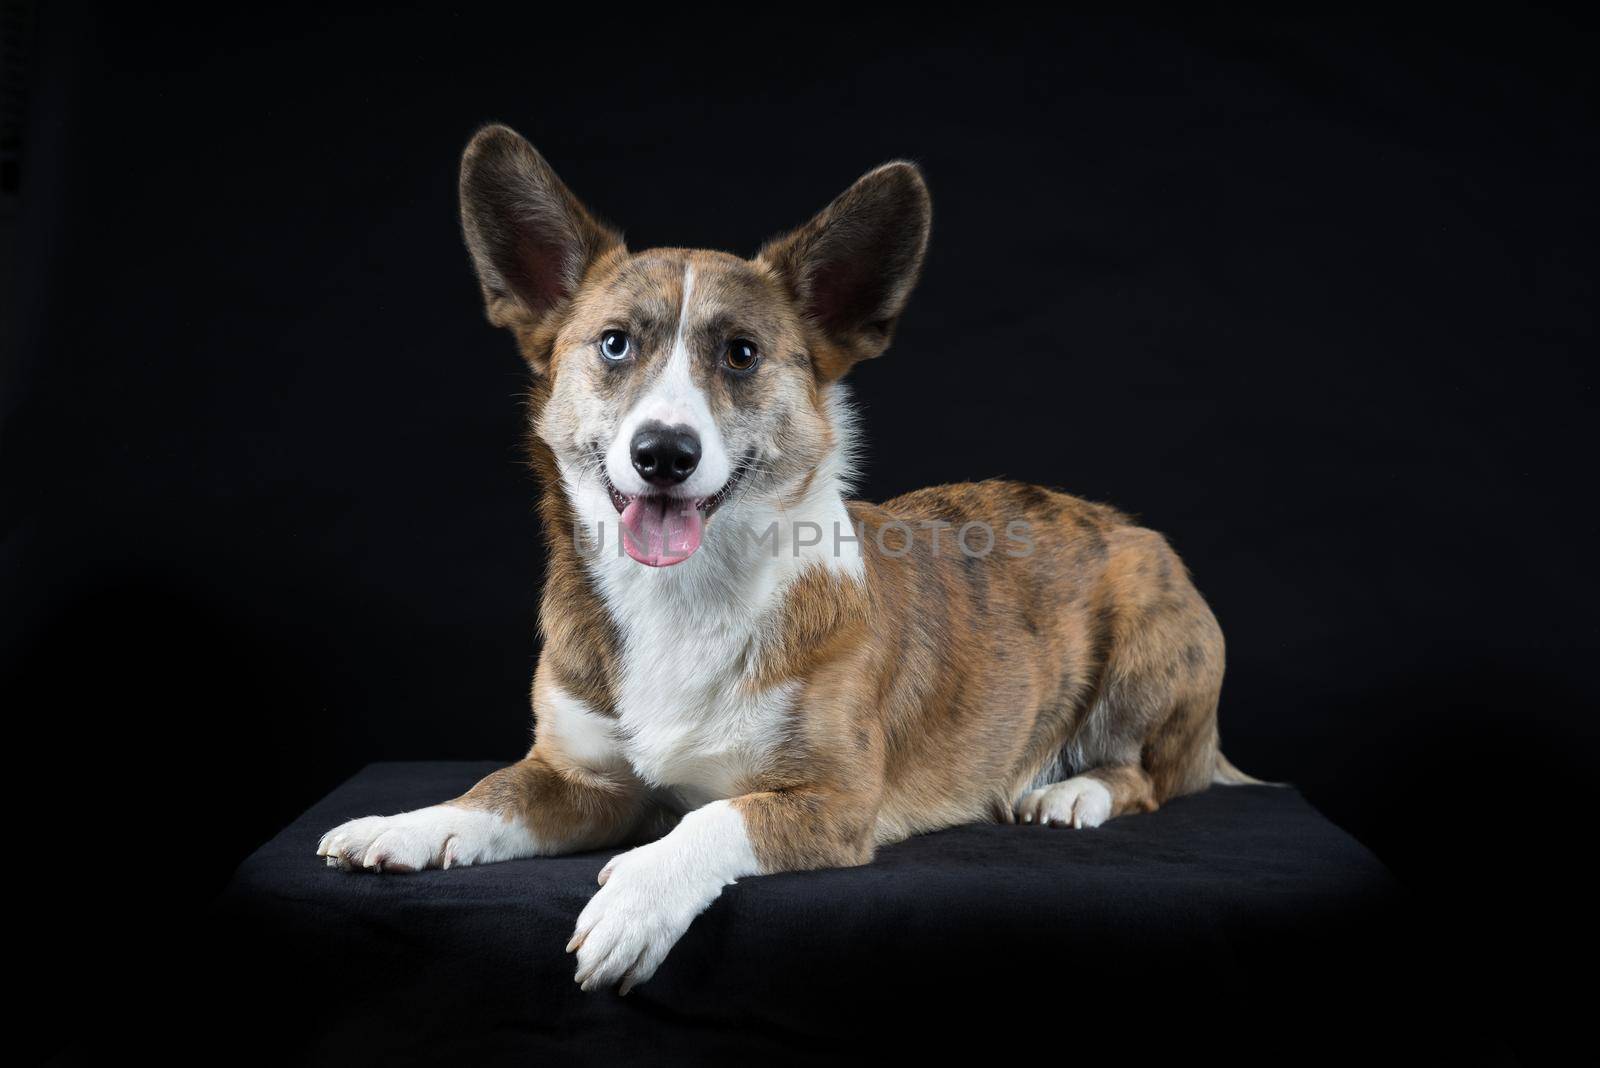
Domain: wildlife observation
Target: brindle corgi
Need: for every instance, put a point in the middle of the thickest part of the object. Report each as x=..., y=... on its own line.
x=742, y=669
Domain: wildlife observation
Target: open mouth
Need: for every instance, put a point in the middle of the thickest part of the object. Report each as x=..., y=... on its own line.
x=660, y=530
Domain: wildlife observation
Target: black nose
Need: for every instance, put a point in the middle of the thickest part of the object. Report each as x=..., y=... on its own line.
x=665, y=455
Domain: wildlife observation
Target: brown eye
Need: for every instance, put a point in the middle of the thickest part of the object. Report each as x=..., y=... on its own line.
x=742, y=354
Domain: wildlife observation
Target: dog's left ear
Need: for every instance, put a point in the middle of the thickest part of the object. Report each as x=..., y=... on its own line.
x=851, y=269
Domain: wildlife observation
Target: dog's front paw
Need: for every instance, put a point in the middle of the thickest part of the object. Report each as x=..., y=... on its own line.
x=647, y=899
x=444, y=836
x=1079, y=802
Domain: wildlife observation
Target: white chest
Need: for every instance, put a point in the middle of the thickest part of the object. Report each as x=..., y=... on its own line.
x=688, y=717
x=701, y=744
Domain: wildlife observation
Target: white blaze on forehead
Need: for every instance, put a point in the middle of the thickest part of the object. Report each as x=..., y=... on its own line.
x=680, y=351
x=675, y=399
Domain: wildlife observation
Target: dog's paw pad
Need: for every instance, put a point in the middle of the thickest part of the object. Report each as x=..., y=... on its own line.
x=1079, y=802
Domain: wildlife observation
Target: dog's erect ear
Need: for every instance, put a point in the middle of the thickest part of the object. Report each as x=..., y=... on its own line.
x=853, y=266
x=531, y=240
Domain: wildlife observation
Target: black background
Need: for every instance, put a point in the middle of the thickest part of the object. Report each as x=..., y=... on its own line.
x=1316, y=299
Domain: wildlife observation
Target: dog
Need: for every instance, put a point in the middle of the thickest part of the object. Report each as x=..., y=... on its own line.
x=743, y=672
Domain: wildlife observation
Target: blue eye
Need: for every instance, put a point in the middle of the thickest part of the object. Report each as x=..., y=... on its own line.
x=614, y=345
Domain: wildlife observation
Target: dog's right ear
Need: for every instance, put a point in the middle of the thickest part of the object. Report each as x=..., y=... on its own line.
x=531, y=240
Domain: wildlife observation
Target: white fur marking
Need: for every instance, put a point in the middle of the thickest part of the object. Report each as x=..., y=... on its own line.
x=678, y=348
x=441, y=836
x=1079, y=802
x=674, y=399
x=577, y=730
x=690, y=720
x=649, y=896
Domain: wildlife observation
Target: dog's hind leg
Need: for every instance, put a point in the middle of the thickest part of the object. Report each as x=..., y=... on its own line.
x=1150, y=733
x=1088, y=800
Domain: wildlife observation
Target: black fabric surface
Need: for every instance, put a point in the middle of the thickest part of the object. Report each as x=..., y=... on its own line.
x=1238, y=919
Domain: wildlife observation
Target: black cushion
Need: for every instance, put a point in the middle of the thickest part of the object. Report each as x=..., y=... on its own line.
x=1240, y=911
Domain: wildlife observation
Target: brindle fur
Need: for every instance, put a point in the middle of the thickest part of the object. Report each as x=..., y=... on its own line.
x=934, y=692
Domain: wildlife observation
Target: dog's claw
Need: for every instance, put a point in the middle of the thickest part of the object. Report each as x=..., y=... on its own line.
x=443, y=836
x=1080, y=802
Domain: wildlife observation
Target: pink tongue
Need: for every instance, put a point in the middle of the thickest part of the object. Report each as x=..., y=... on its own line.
x=660, y=531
